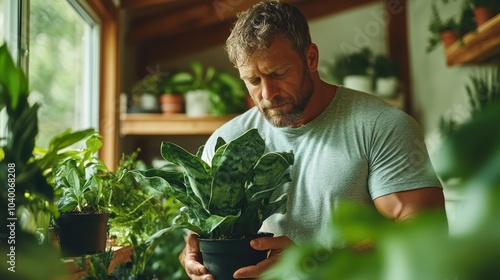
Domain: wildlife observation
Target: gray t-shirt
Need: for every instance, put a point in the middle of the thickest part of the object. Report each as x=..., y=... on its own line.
x=358, y=149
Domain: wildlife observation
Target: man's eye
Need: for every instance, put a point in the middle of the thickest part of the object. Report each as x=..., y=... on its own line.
x=255, y=81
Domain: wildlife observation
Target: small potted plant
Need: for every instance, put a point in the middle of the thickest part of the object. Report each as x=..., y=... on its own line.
x=353, y=70
x=484, y=10
x=447, y=32
x=209, y=91
x=172, y=99
x=227, y=202
x=78, y=181
x=147, y=91
x=385, y=72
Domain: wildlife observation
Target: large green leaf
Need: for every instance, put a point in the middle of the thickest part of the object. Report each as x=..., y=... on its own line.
x=234, y=168
x=12, y=80
x=163, y=183
x=268, y=172
x=194, y=167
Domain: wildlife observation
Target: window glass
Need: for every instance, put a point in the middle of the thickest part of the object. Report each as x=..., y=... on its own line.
x=2, y=20
x=59, y=42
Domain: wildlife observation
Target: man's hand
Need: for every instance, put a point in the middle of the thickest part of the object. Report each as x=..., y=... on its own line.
x=190, y=260
x=275, y=244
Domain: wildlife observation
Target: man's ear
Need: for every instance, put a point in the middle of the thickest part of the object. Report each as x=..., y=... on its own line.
x=312, y=57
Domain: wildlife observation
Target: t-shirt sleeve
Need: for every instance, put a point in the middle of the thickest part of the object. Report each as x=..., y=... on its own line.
x=398, y=157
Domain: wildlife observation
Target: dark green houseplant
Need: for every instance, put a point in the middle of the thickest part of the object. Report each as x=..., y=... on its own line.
x=24, y=188
x=226, y=201
x=223, y=92
x=78, y=181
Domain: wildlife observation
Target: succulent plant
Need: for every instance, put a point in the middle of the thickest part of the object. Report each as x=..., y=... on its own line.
x=232, y=197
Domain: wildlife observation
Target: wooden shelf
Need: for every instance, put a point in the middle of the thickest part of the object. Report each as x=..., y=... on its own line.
x=478, y=47
x=175, y=124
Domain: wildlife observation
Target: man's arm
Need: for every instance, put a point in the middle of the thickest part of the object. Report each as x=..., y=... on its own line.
x=402, y=205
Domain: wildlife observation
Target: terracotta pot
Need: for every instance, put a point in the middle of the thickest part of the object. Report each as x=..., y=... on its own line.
x=448, y=38
x=172, y=104
x=482, y=15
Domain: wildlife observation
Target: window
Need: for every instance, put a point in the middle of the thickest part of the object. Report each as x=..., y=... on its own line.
x=56, y=44
x=2, y=19
x=62, y=67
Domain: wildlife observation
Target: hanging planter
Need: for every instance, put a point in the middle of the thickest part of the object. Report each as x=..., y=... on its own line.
x=482, y=14
x=448, y=38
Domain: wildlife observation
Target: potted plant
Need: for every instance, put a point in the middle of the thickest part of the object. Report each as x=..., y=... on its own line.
x=227, y=202
x=228, y=94
x=209, y=91
x=82, y=226
x=148, y=91
x=447, y=32
x=173, y=88
x=484, y=10
x=353, y=70
x=385, y=72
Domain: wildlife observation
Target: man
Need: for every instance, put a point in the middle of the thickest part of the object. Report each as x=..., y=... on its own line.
x=348, y=145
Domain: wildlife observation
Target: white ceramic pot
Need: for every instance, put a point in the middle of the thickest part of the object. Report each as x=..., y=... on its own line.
x=358, y=82
x=149, y=102
x=386, y=87
x=197, y=103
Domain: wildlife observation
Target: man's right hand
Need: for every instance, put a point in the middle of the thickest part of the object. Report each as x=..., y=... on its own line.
x=190, y=259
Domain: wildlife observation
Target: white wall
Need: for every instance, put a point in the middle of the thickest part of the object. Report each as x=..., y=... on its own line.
x=348, y=31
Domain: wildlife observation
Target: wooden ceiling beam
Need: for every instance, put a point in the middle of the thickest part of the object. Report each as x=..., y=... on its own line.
x=205, y=37
x=139, y=4
x=185, y=20
x=182, y=44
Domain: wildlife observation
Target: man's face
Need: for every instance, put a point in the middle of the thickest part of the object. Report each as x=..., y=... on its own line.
x=279, y=82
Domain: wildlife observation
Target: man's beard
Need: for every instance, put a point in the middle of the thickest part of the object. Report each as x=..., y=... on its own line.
x=284, y=117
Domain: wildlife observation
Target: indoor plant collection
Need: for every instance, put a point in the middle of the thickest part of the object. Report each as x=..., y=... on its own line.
x=362, y=70
x=472, y=14
x=198, y=91
x=36, y=172
x=227, y=201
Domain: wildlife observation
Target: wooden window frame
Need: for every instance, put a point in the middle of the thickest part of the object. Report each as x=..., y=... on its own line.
x=109, y=79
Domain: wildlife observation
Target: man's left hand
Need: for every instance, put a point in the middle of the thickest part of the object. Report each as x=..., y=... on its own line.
x=275, y=244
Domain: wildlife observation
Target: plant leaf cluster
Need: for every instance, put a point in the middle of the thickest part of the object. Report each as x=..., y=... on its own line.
x=232, y=197
x=79, y=178
x=483, y=91
x=225, y=90
x=361, y=62
x=460, y=25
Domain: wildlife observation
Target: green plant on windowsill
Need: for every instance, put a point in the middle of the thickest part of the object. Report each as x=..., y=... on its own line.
x=23, y=179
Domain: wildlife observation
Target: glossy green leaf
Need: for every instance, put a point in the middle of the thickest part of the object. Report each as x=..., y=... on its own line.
x=194, y=167
x=233, y=170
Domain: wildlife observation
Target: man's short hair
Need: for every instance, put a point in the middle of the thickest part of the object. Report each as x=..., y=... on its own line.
x=256, y=29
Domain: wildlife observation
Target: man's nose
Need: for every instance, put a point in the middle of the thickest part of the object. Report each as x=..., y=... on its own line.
x=269, y=89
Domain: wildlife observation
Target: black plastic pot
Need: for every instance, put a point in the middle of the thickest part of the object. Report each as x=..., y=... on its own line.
x=83, y=233
x=222, y=257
